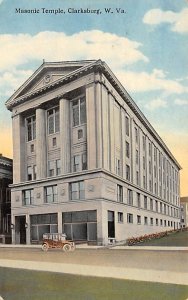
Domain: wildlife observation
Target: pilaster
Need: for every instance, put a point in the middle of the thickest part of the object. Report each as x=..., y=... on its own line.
x=41, y=144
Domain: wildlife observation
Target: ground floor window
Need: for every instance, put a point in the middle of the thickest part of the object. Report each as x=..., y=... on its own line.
x=43, y=223
x=80, y=225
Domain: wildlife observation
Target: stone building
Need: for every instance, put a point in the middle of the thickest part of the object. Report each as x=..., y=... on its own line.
x=86, y=160
x=184, y=212
x=5, y=198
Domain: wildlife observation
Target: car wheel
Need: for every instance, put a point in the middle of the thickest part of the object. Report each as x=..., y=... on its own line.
x=67, y=247
x=45, y=247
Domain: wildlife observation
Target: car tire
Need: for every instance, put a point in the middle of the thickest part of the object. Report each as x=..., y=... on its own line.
x=45, y=247
x=67, y=248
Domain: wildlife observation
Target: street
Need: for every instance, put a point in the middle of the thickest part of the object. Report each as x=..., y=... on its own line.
x=172, y=261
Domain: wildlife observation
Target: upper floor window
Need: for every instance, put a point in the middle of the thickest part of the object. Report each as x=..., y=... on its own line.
x=79, y=111
x=138, y=200
x=27, y=197
x=54, y=167
x=117, y=166
x=136, y=134
x=127, y=149
x=129, y=218
x=77, y=190
x=130, y=197
x=31, y=128
x=127, y=125
x=145, y=202
x=51, y=194
x=128, y=173
x=31, y=172
x=79, y=162
x=53, y=120
x=119, y=193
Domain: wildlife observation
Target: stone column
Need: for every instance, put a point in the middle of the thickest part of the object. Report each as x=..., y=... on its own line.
x=28, y=230
x=18, y=134
x=65, y=136
x=91, y=127
x=41, y=143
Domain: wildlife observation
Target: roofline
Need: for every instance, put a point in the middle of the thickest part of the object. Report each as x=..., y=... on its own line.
x=102, y=67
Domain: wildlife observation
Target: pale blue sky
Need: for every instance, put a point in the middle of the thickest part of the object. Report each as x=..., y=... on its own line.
x=146, y=48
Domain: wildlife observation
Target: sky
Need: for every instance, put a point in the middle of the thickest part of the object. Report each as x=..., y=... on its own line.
x=144, y=42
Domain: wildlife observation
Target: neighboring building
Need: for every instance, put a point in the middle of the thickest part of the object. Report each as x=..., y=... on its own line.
x=5, y=198
x=184, y=212
x=86, y=160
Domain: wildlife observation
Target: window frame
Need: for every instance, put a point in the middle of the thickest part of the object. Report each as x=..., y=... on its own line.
x=33, y=128
x=55, y=120
x=31, y=197
x=80, y=122
x=80, y=192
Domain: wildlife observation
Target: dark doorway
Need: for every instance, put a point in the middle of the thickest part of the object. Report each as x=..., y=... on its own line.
x=20, y=230
x=111, y=224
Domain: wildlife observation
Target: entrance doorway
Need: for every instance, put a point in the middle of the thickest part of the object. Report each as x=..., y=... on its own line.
x=20, y=230
x=111, y=224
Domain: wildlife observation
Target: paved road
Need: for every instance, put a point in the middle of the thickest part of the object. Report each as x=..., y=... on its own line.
x=172, y=261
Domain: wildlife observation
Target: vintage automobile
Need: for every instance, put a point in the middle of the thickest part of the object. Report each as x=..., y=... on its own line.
x=58, y=241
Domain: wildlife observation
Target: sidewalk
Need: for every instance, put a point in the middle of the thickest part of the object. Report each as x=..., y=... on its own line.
x=100, y=271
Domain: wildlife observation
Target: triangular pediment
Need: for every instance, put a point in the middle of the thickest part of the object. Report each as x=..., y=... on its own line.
x=45, y=75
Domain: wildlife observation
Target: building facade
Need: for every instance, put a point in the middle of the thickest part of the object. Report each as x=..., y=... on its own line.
x=86, y=160
x=5, y=198
x=184, y=212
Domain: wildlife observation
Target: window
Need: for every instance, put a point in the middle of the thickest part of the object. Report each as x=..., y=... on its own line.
x=77, y=190
x=144, y=162
x=151, y=221
x=127, y=125
x=51, y=194
x=144, y=182
x=127, y=149
x=137, y=157
x=27, y=197
x=51, y=168
x=136, y=135
x=138, y=219
x=129, y=218
x=80, y=134
x=79, y=162
x=137, y=177
x=31, y=128
x=54, y=167
x=120, y=217
x=130, y=197
x=128, y=172
x=144, y=142
x=145, y=202
x=58, y=167
x=32, y=148
x=117, y=166
x=161, y=222
x=119, y=193
x=156, y=206
x=157, y=222
x=145, y=220
x=161, y=207
x=53, y=120
x=79, y=111
x=34, y=172
x=151, y=204
x=29, y=173
x=138, y=200
x=149, y=149
x=54, y=142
